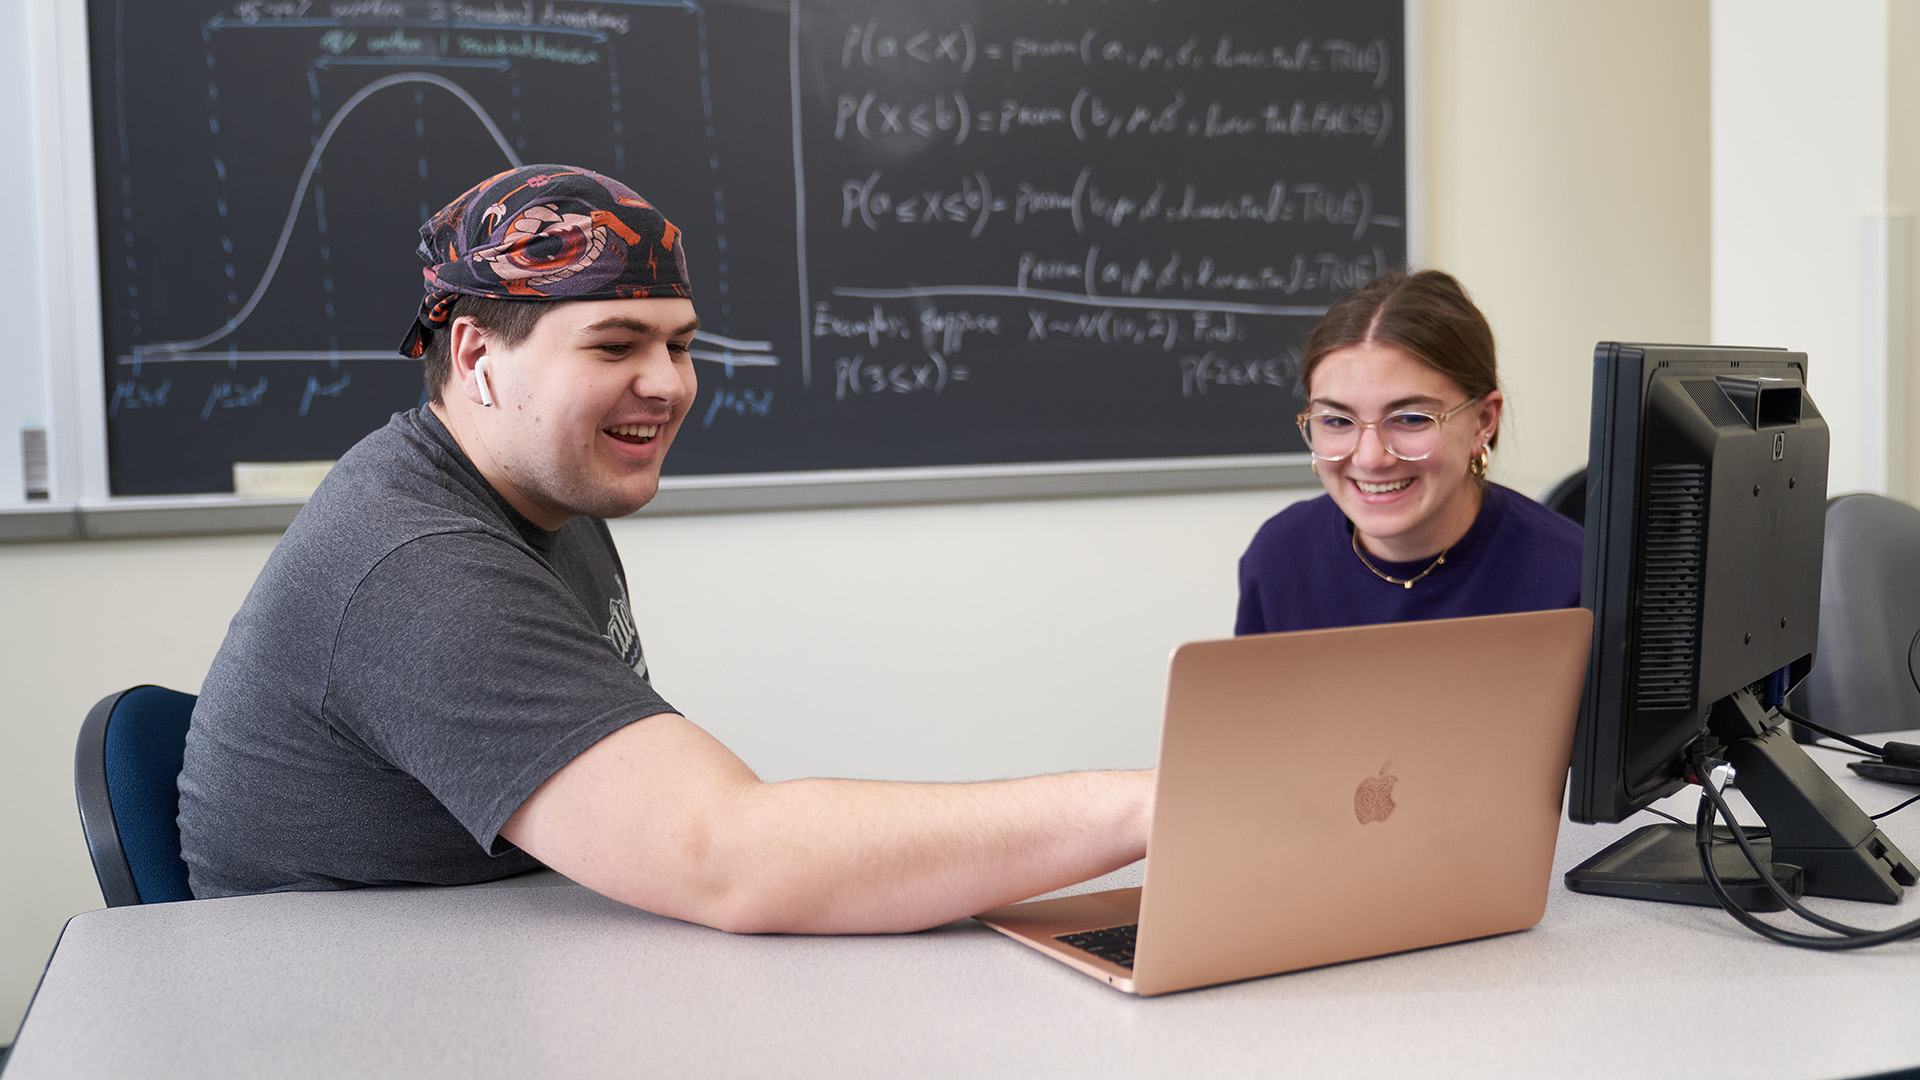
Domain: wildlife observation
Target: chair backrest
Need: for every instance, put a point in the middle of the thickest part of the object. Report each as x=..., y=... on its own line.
x=1866, y=667
x=1568, y=498
x=125, y=771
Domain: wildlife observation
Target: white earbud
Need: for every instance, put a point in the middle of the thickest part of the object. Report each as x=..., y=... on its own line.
x=480, y=380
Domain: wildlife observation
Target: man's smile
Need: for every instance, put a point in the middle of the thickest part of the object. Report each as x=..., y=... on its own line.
x=634, y=433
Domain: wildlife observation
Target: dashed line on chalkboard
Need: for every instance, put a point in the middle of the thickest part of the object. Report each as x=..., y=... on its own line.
x=126, y=166
x=315, y=118
x=723, y=284
x=219, y=162
x=151, y=351
x=513, y=110
x=613, y=104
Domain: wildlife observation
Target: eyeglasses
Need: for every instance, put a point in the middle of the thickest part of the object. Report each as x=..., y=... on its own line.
x=1410, y=434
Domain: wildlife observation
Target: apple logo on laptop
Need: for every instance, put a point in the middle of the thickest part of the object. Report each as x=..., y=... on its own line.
x=1373, y=799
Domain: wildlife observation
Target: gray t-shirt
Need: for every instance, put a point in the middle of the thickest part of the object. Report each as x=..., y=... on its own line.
x=415, y=659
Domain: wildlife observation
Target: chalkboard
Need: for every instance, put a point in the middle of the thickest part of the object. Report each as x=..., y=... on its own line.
x=928, y=233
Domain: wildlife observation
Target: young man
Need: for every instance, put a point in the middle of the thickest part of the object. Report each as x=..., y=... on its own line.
x=437, y=677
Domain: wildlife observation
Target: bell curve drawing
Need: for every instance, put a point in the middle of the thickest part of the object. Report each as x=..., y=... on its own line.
x=921, y=232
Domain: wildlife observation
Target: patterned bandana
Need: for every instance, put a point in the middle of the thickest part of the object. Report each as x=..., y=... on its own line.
x=545, y=232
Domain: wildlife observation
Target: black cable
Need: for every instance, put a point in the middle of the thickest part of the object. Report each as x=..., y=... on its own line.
x=1831, y=749
x=1895, y=810
x=1752, y=834
x=1716, y=801
x=1858, y=744
x=1853, y=937
x=1702, y=838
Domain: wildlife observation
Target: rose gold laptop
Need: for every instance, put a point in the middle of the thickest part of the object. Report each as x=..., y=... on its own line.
x=1336, y=794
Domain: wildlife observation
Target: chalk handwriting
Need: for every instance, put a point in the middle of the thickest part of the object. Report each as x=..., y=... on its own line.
x=856, y=376
x=936, y=329
x=875, y=325
x=878, y=45
x=233, y=395
x=396, y=43
x=524, y=47
x=592, y=18
x=1091, y=116
x=950, y=328
x=127, y=393
x=366, y=9
x=1106, y=325
x=316, y=388
x=744, y=404
x=497, y=13
x=871, y=117
x=1206, y=371
x=972, y=203
x=866, y=44
x=251, y=11
x=1173, y=273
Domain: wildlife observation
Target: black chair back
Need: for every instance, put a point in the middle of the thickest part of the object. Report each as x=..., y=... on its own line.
x=1568, y=498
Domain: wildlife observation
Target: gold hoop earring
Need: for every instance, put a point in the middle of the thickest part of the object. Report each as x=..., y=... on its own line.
x=1314, y=464
x=1477, y=464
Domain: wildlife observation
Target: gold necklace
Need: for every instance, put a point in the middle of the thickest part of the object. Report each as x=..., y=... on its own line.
x=1405, y=583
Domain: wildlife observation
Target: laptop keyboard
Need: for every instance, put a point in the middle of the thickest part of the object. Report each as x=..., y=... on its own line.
x=1113, y=944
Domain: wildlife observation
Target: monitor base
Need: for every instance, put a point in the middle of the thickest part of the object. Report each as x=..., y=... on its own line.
x=1661, y=863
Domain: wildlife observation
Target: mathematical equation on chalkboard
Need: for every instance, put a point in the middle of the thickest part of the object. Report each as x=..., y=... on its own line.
x=951, y=232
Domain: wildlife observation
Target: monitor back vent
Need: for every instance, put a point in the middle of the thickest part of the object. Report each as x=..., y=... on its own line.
x=1667, y=638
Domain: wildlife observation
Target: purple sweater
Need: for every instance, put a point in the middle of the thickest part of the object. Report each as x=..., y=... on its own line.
x=1300, y=572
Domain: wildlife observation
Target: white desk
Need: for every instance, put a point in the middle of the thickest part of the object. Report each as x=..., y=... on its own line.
x=549, y=979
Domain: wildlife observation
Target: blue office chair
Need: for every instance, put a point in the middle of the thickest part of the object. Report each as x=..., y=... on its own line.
x=1866, y=666
x=125, y=771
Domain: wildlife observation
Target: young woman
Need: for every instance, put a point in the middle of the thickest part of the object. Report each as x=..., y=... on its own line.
x=1403, y=410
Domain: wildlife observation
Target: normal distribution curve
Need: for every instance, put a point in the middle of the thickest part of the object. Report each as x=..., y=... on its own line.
x=733, y=351
x=300, y=194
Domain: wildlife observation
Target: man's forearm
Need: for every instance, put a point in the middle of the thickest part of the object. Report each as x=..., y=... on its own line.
x=661, y=816
x=848, y=856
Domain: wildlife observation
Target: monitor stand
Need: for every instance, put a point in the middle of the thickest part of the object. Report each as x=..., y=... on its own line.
x=1661, y=862
x=1817, y=833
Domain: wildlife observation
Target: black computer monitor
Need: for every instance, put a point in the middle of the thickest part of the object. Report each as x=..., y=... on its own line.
x=1706, y=507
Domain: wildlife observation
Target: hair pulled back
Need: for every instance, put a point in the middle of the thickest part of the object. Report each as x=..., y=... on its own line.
x=1427, y=315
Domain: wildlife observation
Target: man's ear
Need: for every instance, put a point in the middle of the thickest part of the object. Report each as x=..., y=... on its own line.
x=467, y=353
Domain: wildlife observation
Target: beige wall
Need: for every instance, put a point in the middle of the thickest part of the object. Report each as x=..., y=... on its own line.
x=1567, y=188
x=949, y=642
x=80, y=621
x=1903, y=198
x=1803, y=245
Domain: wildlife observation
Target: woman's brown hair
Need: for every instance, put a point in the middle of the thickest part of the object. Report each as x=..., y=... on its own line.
x=1427, y=314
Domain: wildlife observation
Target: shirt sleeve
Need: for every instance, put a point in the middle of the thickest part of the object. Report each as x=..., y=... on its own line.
x=466, y=663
